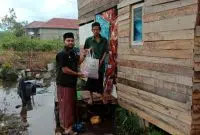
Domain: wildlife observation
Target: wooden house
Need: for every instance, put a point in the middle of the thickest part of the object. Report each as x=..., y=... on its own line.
x=158, y=59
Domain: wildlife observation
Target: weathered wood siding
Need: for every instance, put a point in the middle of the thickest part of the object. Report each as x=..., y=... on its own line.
x=196, y=87
x=87, y=9
x=156, y=80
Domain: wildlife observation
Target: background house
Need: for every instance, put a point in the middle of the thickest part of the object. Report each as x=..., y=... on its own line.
x=158, y=58
x=53, y=29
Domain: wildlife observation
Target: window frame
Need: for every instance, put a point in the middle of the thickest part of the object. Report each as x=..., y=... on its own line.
x=135, y=43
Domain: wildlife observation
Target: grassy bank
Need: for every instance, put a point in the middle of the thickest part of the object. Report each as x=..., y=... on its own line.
x=129, y=124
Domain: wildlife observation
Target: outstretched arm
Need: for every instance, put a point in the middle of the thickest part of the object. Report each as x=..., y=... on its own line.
x=68, y=71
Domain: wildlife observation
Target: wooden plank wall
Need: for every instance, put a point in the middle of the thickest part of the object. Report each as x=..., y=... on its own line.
x=87, y=9
x=196, y=87
x=155, y=80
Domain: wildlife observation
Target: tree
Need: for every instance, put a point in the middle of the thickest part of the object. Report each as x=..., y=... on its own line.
x=18, y=29
x=9, y=23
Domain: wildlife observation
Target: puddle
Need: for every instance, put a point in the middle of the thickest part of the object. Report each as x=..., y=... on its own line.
x=41, y=118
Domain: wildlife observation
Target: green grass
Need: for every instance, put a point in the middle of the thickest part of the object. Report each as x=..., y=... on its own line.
x=128, y=124
x=10, y=41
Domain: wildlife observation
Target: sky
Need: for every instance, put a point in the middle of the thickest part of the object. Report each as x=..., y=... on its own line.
x=40, y=10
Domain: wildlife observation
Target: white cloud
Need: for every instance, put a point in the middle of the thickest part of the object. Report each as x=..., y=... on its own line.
x=40, y=10
x=52, y=5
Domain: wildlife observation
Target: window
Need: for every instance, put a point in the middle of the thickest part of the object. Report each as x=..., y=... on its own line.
x=137, y=24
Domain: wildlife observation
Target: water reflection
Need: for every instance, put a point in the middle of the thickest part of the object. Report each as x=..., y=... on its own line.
x=23, y=115
x=41, y=119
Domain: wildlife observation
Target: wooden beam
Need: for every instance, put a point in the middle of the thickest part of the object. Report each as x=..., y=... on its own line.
x=124, y=17
x=82, y=3
x=89, y=16
x=197, y=31
x=171, y=61
x=185, y=54
x=87, y=8
x=122, y=46
x=125, y=3
x=162, y=85
x=176, y=115
x=197, y=66
x=197, y=50
x=95, y=4
x=154, y=89
x=83, y=19
x=196, y=58
x=124, y=27
x=157, y=2
x=169, y=35
x=182, y=107
x=172, y=24
x=147, y=116
x=169, y=45
x=195, y=110
x=124, y=22
x=168, y=6
x=123, y=40
x=172, y=69
x=124, y=10
x=177, y=12
x=179, y=79
x=123, y=33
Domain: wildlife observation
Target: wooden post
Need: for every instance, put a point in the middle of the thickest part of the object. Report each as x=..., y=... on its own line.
x=195, y=127
x=143, y=123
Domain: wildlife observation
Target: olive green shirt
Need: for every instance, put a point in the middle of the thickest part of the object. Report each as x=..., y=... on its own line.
x=98, y=49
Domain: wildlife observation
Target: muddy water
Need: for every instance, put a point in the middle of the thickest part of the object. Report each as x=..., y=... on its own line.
x=41, y=118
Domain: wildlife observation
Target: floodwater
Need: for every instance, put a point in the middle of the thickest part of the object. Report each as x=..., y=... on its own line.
x=41, y=118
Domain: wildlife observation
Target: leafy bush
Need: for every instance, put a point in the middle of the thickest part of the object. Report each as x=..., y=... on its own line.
x=9, y=41
x=8, y=73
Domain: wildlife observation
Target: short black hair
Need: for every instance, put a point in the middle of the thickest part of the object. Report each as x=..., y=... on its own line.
x=96, y=24
x=68, y=35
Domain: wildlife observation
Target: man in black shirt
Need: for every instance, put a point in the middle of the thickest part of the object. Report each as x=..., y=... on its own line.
x=67, y=62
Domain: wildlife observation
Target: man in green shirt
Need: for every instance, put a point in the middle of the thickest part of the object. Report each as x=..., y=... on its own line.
x=99, y=48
